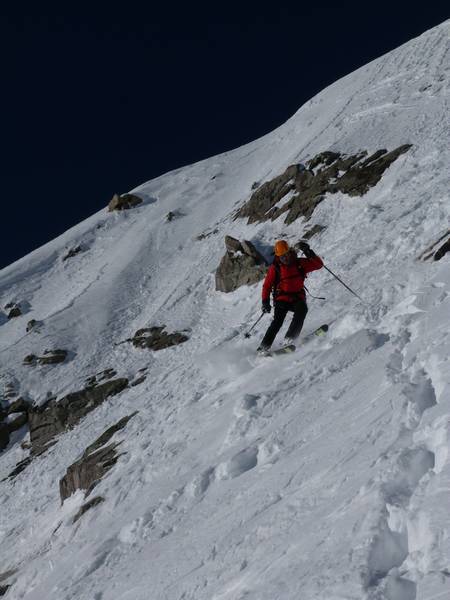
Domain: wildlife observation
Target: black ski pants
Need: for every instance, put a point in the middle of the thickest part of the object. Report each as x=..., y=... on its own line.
x=281, y=309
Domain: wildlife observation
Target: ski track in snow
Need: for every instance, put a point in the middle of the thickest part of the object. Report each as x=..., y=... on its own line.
x=321, y=474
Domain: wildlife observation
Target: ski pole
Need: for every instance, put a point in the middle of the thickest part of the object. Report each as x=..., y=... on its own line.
x=247, y=335
x=344, y=284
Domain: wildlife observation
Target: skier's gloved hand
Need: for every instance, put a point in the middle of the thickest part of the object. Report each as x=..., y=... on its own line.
x=305, y=248
x=266, y=308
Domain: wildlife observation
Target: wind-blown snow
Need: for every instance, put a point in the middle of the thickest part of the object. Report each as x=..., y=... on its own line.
x=320, y=475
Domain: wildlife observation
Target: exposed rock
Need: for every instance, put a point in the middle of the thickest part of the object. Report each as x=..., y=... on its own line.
x=4, y=589
x=21, y=466
x=430, y=250
x=328, y=172
x=102, y=376
x=52, y=357
x=311, y=232
x=18, y=422
x=4, y=435
x=124, y=202
x=138, y=381
x=14, y=312
x=87, y=505
x=55, y=416
x=73, y=252
x=96, y=460
x=31, y=324
x=155, y=338
x=232, y=244
x=173, y=214
x=241, y=265
x=19, y=405
x=29, y=359
x=203, y=236
x=442, y=250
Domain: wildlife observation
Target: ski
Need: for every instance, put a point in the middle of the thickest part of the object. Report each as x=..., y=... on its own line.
x=289, y=348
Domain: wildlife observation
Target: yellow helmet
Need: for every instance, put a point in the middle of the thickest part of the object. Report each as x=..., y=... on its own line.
x=281, y=247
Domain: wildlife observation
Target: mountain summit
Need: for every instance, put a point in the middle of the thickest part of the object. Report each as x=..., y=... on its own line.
x=147, y=452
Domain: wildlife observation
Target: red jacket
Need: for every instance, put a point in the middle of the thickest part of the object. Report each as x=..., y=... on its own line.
x=291, y=278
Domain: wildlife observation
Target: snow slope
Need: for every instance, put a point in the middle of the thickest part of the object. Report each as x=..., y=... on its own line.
x=320, y=475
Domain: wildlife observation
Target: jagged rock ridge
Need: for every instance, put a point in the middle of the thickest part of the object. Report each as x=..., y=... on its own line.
x=302, y=187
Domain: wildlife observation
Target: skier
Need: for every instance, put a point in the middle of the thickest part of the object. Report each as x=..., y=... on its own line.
x=286, y=276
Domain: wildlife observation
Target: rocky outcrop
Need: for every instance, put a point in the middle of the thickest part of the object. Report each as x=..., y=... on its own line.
x=102, y=376
x=55, y=416
x=13, y=309
x=31, y=325
x=156, y=338
x=73, y=252
x=204, y=236
x=50, y=357
x=442, y=250
x=18, y=421
x=311, y=232
x=298, y=190
x=18, y=406
x=124, y=202
x=431, y=251
x=87, y=506
x=241, y=265
x=4, y=435
x=96, y=460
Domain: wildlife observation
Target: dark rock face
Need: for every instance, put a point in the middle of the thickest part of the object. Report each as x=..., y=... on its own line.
x=31, y=324
x=29, y=359
x=311, y=232
x=50, y=357
x=20, y=466
x=155, y=338
x=442, y=250
x=14, y=312
x=241, y=265
x=4, y=435
x=123, y=202
x=19, y=421
x=88, y=505
x=431, y=251
x=204, y=236
x=54, y=416
x=73, y=252
x=19, y=405
x=328, y=172
x=102, y=376
x=96, y=460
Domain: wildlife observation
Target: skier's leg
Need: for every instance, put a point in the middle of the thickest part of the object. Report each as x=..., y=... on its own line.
x=300, y=309
x=280, y=312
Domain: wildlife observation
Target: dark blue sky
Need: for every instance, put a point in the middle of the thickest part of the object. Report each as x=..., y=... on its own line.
x=97, y=101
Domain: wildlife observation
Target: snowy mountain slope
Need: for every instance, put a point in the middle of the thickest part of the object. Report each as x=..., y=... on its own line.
x=318, y=475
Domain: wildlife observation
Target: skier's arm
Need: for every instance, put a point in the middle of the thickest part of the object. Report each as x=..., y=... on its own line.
x=268, y=283
x=313, y=263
